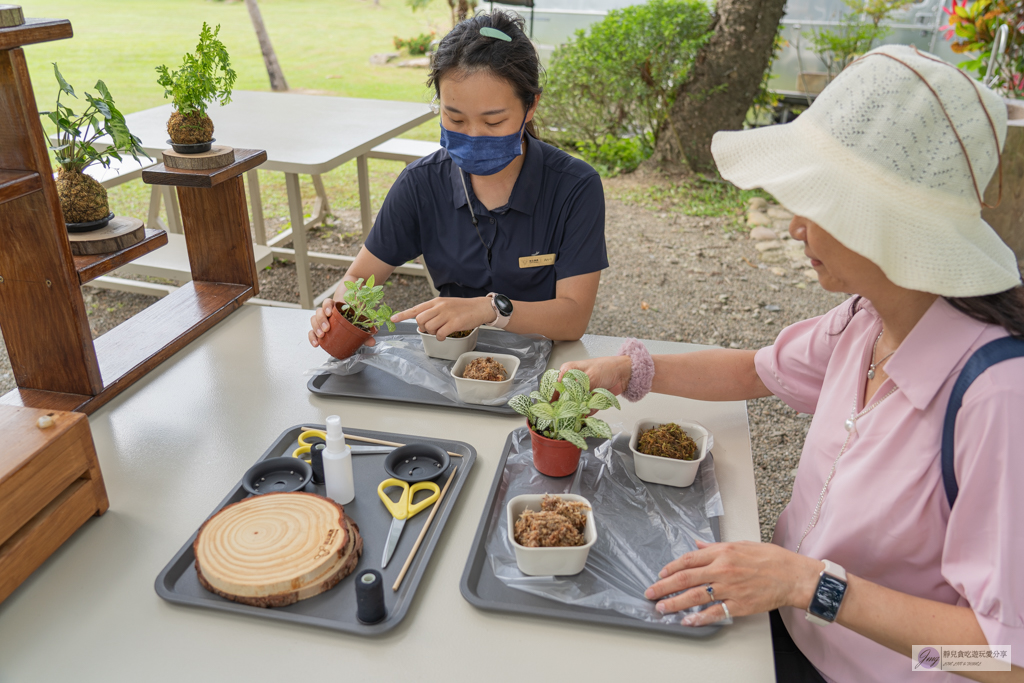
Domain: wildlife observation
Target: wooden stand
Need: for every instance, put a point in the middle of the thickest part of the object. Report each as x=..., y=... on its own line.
x=50, y=484
x=10, y=15
x=119, y=234
x=55, y=362
x=217, y=157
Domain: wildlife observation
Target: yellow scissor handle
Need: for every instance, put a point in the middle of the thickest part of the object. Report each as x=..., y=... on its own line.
x=403, y=509
x=425, y=503
x=301, y=451
x=311, y=432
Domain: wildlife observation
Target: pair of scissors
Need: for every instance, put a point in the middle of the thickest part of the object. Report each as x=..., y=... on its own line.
x=403, y=509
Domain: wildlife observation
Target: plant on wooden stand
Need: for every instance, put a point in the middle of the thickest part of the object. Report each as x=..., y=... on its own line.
x=204, y=76
x=82, y=198
x=363, y=312
x=559, y=427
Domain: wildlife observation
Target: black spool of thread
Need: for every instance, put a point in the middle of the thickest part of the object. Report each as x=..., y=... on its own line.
x=370, y=608
x=316, y=461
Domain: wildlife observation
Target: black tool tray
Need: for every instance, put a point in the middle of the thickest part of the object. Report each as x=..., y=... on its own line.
x=336, y=608
x=484, y=590
x=374, y=383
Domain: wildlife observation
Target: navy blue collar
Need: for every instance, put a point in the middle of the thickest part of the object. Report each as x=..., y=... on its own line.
x=527, y=188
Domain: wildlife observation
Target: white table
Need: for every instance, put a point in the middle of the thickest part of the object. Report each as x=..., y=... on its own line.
x=306, y=134
x=174, y=443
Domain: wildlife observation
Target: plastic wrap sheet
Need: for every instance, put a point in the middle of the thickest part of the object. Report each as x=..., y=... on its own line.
x=400, y=353
x=640, y=528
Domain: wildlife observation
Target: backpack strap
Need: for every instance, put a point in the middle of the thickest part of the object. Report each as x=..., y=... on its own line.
x=981, y=360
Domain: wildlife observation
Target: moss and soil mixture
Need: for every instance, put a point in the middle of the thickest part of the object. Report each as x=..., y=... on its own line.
x=559, y=524
x=461, y=335
x=668, y=441
x=486, y=369
x=189, y=129
x=82, y=198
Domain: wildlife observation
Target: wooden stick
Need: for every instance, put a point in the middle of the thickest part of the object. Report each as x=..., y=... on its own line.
x=367, y=439
x=423, y=532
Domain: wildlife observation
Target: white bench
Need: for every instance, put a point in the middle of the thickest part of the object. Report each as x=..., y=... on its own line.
x=398, y=149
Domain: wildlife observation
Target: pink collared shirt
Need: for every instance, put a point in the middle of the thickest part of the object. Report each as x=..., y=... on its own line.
x=885, y=517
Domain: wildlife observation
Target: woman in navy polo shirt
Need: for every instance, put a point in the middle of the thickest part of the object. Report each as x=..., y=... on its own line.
x=510, y=228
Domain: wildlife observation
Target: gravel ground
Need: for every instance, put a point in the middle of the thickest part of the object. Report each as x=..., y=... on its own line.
x=672, y=276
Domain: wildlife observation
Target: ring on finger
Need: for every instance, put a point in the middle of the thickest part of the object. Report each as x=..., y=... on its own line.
x=726, y=608
x=710, y=591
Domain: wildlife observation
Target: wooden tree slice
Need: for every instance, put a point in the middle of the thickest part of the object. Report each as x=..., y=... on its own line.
x=11, y=15
x=275, y=549
x=120, y=233
x=217, y=157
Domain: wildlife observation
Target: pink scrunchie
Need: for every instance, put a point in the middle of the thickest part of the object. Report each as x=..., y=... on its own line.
x=643, y=369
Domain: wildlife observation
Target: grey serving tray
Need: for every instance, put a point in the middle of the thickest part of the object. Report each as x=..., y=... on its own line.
x=377, y=384
x=336, y=609
x=484, y=590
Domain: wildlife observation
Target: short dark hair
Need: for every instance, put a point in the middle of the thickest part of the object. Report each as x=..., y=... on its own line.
x=515, y=62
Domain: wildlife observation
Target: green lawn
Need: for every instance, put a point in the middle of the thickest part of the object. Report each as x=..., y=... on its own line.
x=322, y=45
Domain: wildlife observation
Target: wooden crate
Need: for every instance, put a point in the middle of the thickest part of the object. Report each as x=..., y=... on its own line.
x=50, y=484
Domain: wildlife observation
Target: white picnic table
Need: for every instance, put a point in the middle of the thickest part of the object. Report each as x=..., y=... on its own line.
x=173, y=444
x=302, y=134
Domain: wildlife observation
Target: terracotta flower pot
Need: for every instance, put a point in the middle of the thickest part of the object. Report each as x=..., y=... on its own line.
x=553, y=457
x=343, y=338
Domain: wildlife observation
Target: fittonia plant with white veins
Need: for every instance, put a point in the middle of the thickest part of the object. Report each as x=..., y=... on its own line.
x=566, y=418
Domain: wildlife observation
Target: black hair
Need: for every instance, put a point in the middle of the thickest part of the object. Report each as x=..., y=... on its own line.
x=1005, y=309
x=515, y=62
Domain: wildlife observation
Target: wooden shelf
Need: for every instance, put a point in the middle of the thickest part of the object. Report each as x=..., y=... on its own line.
x=245, y=160
x=34, y=31
x=91, y=267
x=141, y=343
x=15, y=184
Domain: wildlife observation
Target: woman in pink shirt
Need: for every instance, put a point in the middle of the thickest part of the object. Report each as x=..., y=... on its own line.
x=886, y=173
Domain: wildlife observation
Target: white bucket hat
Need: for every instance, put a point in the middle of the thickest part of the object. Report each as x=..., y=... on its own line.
x=890, y=172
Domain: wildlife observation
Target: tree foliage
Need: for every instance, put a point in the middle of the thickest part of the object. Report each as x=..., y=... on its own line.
x=76, y=133
x=205, y=76
x=619, y=80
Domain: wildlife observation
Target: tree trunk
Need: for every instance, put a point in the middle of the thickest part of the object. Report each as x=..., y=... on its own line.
x=277, y=81
x=722, y=84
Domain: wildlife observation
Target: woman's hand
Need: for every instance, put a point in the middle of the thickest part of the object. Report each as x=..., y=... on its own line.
x=447, y=315
x=748, y=577
x=320, y=322
x=610, y=372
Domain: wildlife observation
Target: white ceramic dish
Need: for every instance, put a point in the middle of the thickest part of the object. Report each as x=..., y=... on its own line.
x=550, y=561
x=658, y=470
x=449, y=349
x=479, y=390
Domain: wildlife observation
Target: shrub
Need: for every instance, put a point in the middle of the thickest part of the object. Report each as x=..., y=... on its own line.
x=975, y=25
x=852, y=36
x=416, y=46
x=620, y=79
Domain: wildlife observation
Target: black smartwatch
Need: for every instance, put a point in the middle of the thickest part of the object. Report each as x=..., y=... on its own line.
x=828, y=596
x=502, y=307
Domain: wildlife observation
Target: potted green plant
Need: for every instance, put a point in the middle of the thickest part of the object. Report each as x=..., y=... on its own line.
x=83, y=201
x=559, y=425
x=205, y=76
x=363, y=311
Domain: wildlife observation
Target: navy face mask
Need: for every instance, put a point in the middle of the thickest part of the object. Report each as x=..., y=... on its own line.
x=482, y=154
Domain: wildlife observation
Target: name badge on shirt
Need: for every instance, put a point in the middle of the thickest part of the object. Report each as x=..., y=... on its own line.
x=536, y=260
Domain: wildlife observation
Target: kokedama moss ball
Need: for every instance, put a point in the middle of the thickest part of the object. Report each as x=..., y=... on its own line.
x=82, y=198
x=189, y=129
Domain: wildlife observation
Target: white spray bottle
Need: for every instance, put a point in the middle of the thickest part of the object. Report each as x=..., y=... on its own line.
x=338, y=464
